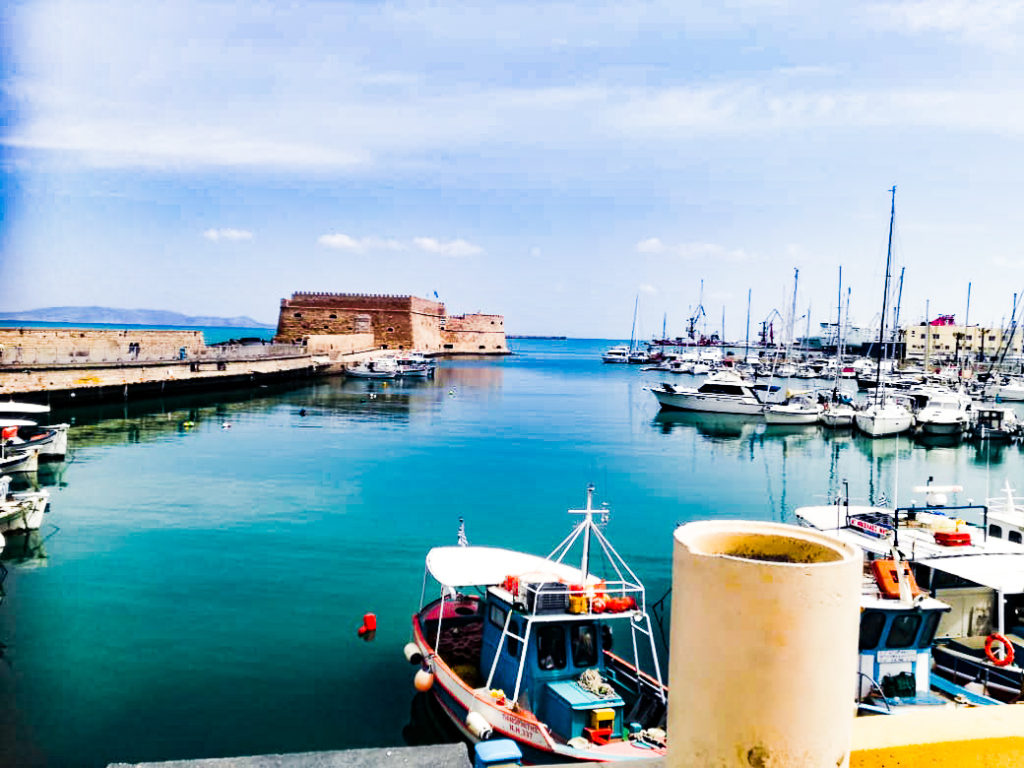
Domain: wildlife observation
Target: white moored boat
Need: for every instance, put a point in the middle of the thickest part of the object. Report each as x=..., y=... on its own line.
x=529, y=658
x=721, y=392
x=23, y=511
x=381, y=368
x=800, y=408
x=619, y=354
x=947, y=413
x=885, y=417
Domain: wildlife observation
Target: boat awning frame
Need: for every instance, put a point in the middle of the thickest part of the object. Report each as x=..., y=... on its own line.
x=458, y=567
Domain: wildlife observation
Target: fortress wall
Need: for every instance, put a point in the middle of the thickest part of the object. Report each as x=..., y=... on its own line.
x=476, y=334
x=62, y=345
x=338, y=345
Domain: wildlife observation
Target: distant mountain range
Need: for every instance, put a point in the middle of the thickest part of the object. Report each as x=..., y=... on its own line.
x=128, y=317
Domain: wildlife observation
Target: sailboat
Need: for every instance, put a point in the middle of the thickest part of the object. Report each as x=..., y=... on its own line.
x=884, y=416
x=839, y=412
x=637, y=356
x=799, y=407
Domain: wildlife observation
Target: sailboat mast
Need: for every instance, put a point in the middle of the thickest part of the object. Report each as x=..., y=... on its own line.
x=839, y=322
x=632, y=333
x=746, y=344
x=792, y=311
x=896, y=316
x=885, y=297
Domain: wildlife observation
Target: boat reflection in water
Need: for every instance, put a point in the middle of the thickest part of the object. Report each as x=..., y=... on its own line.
x=929, y=441
x=714, y=426
x=25, y=549
x=428, y=724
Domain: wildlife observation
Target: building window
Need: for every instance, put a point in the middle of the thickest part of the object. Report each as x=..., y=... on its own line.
x=449, y=346
x=297, y=314
x=482, y=347
x=390, y=329
x=333, y=316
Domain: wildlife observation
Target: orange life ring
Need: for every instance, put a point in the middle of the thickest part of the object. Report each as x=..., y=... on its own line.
x=994, y=638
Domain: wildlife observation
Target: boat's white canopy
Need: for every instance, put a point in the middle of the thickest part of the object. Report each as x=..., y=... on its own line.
x=487, y=566
x=1001, y=571
x=8, y=422
x=10, y=406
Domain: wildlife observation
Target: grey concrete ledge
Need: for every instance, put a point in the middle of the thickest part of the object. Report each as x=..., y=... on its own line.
x=436, y=756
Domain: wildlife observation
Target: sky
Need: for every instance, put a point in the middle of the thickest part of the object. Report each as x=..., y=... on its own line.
x=552, y=162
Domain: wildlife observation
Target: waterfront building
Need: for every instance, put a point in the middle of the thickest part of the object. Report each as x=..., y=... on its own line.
x=396, y=322
x=942, y=339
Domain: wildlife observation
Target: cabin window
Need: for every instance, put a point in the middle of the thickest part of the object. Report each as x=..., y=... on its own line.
x=1014, y=536
x=996, y=531
x=931, y=623
x=871, y=625
x=511, y=643
x=904, y=630
x=584, y=645
x=497, y=616
x=551, y=648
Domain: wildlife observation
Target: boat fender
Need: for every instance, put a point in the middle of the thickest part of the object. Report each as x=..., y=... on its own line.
x=477, y=725
x=1007, y=659
x=413, y=654
x=598, y=605
x=424, y=679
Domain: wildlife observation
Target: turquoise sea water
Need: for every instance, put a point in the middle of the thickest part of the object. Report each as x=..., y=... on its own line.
x=211, y=334
x=202, y=585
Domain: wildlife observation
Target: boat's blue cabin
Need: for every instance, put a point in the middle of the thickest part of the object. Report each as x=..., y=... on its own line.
x=559, y=648
x=895, y=651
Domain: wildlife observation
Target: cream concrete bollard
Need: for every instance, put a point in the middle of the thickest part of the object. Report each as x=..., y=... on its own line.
x=763, y=647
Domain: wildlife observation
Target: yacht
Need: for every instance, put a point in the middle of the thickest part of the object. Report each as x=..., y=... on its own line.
x=721, y=392
x=1006, y=516
x=381, y=368
x=946, y=413
x=619, y=354
x=884, y=417
x=1010, y=390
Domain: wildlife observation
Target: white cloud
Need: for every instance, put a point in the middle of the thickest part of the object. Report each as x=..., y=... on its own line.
x=986, y=22
x=343, y=242
x=647, y=288
x=217, y=235
x=650, y=245
x=457, y=247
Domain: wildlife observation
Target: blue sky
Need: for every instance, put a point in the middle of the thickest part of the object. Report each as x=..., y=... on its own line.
x=549, y=161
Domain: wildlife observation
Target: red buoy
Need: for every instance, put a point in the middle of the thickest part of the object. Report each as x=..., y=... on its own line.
x=369, y=628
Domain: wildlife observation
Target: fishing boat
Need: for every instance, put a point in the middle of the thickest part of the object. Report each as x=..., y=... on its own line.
x=414, y=365
x=950, y=553
x=722, y=392
x=22, y=461
x=22, y=511
x=994, y=424
x=527, y=655
x=381, y=368
x=1006, y=516
x=51, y=442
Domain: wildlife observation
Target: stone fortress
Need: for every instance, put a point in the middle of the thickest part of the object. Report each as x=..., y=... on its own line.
x=396, y=323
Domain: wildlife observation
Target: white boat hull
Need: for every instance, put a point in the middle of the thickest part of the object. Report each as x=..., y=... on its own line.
x=777, y=416
x=18, y=515
x=934, y=427
x=20, y=462
x=683, y=401
x=837, y=417
x=883, y=421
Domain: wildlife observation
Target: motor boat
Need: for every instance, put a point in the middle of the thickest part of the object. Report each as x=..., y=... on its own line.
x=722, y=392
x=1010, y=390
x=381, y=368
x=619, y=354
x=639, y=357
x=946, y=413
x=521, y=645
x=1006, y=516
x=799, y=408
x=22, y=511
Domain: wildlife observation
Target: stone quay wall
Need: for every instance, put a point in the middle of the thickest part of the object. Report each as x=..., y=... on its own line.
x=29, y=346
x=396, y=323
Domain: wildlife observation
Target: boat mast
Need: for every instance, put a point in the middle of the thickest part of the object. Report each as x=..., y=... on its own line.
x=792, y=312
x=839, y=322
x=967, y=314
x=746, y=344
x=885, y=298
x=587, y=519
x=632, y=333
x=896, y=316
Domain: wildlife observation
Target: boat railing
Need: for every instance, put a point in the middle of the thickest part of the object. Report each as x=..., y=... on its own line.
x=974, y=515
x=608, y=597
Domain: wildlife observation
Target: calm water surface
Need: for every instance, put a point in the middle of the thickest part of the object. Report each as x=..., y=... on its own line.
x=196, y=589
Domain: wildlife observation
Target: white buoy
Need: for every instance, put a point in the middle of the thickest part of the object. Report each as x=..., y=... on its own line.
x=424, y=680
x=413, y=654
x=477, y=725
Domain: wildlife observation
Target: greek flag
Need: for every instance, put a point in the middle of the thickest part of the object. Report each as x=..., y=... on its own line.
x=463, y=541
